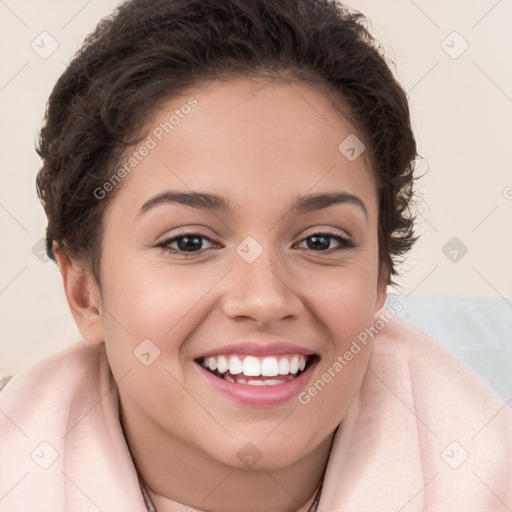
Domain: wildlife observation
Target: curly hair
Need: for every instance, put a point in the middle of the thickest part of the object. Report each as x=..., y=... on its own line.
x=150, y=50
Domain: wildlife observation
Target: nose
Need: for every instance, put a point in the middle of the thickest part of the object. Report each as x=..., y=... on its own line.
x=262, y=292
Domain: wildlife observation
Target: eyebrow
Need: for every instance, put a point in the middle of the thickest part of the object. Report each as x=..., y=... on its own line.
x=304, y=204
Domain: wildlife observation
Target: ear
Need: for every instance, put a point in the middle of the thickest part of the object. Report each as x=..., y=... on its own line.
x=83, y=295
x=382, y=286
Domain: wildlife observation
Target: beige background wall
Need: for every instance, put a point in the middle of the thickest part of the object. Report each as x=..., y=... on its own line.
x=461, y=99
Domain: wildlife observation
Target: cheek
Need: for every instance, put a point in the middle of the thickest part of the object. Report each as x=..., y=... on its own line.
x=344, y=299
x=152, y=300
x=163, y=305
x=347, y=311
x=344, y=313
x=344, y=307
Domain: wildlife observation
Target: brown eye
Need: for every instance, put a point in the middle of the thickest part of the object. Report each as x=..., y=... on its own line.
x=187, y=242
x=325, y=242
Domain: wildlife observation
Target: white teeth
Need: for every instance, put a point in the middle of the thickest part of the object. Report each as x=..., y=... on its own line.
x=284, y=366
x=222, y=364
x=235, y=365
x=294, y=364
x=265, y=382
x=256, y=383
x=269, y=367
x=251, y=367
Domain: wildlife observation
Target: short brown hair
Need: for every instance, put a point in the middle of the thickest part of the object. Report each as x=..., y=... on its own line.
x=150, y=50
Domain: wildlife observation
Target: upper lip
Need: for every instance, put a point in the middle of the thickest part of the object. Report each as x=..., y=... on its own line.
x=254, y=348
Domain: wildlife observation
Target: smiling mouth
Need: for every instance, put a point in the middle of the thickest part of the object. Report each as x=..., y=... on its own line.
x=257, y=371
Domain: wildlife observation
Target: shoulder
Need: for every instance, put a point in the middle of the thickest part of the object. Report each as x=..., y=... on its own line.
x=426, y=358
x=55, y=377
x=431, y=365
x=76, y=355
x=444, y=392
x=422, y=424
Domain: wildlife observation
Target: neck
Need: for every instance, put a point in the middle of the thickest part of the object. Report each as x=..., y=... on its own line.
x=161, y=503
x=179, y=478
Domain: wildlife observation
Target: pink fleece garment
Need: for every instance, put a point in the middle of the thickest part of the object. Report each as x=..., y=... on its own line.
x=402, y=446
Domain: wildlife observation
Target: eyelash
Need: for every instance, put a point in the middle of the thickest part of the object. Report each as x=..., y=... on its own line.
x=344, y=243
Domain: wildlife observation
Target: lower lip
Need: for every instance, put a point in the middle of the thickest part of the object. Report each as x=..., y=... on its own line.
x=259, y=396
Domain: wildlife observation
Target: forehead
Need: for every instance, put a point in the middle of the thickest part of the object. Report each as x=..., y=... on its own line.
x=246, y=137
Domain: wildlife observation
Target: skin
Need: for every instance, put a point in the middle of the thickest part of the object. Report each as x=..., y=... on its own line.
x=259, y=145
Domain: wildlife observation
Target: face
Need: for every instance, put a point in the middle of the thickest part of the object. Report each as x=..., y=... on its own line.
x=239, y=262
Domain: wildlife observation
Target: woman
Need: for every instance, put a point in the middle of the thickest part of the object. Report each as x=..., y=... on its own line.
x=228, y=187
